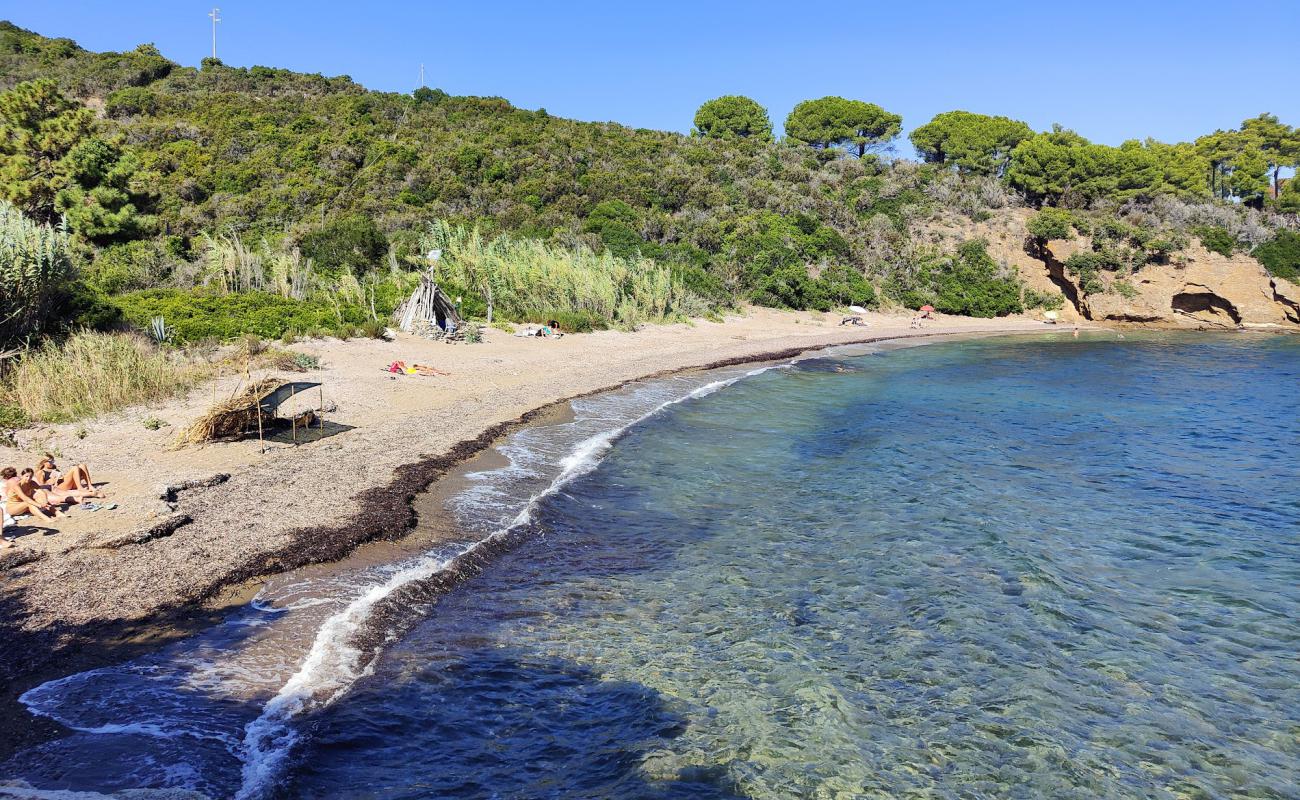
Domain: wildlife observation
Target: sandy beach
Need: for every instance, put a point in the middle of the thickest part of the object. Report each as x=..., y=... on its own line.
x=98, y=586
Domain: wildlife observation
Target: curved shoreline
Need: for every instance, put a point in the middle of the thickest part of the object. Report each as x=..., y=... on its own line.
x=381, y=513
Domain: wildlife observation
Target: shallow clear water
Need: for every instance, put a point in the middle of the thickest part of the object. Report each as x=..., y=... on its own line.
x=1017, y=567
x=1001, y=568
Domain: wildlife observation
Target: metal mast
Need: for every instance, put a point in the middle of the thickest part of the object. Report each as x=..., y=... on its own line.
x=216, y=17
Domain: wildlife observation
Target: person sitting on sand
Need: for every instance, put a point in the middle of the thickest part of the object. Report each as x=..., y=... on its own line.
x=18, y=502
x=76, y=479
x=44, y=495
x=49, y=493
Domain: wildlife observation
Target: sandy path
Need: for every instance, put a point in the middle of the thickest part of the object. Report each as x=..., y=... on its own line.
x=293, y=505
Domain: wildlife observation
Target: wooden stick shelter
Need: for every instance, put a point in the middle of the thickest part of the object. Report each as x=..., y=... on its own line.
x=428, y=304
x=251, y=410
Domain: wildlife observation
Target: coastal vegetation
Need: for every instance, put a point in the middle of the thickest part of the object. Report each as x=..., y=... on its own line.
x=92, y=373
x=230, y=201
x=530, y=280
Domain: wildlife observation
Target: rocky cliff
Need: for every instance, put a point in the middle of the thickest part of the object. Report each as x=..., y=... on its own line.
x=1197, y=289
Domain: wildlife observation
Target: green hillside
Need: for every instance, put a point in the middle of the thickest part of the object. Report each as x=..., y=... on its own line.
x=179, y=182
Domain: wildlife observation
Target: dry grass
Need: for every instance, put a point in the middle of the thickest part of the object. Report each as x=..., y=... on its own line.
x=94, y=373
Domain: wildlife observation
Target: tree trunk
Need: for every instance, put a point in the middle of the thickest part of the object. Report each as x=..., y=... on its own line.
x=489, y=299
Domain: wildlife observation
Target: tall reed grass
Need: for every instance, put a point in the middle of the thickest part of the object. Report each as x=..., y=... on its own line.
x=232, y=266
x=93, y=373
x=529, y=279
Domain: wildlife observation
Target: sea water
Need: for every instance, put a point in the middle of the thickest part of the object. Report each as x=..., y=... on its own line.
x=1010, y=567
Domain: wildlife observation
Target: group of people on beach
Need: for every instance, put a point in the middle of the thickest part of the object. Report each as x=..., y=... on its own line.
x=44, y=491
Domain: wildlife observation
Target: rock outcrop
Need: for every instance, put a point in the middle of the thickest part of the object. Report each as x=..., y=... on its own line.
x=1198, y=289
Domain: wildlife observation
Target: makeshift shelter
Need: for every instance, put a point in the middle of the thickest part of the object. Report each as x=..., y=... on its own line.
x=252, y=410
x=427, y=305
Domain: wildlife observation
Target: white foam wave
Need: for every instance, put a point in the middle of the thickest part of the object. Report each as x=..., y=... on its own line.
x=334, y=664
x=45, y=701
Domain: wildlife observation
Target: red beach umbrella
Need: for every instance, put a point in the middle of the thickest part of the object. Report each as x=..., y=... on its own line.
x=927, y=308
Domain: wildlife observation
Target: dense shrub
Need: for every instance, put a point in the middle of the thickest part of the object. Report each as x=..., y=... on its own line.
x=1048, y=301
x=1124, y=289
x=772, y=250
x=1093, y=261
x=1216, y=240
x=1051, y=223
x=194, y=315
x=615, y=222
x=351, y=244
x=1281, y=256
x=970, y=283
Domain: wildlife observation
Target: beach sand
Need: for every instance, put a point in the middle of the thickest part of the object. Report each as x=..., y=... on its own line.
x=105, y=587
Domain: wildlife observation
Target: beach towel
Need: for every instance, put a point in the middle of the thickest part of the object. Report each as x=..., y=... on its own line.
x=8, y=520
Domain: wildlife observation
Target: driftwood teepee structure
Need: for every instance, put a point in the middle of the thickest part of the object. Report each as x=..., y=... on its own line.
x=427, y=305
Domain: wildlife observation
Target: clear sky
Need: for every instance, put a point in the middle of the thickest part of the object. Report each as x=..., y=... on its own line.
x=1110, y=70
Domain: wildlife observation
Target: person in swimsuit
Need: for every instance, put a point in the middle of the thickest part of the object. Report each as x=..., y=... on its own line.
x=48, y=494
x=75, y=480
x=19, y=502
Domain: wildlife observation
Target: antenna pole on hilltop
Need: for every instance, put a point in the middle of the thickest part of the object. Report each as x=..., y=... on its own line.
x=216, y=17
x=421, y=86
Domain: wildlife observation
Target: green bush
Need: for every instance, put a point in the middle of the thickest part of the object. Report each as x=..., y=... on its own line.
x=1048, y=301
x=1051, y=223
x=12, y=417
x=196, y=314
x=839, y=285
x=773, y=252
x=350, y=244
x=1093, y=261
x=1216, y=240
x=83, y=306
x=130, y=266
x=1162, y=247
x=787, y=286
x=969, y=282
x=1124, y=289
x=615, y=222
x=1281, y=255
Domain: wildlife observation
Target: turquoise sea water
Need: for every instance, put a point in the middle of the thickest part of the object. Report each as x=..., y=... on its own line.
x=1013, y=567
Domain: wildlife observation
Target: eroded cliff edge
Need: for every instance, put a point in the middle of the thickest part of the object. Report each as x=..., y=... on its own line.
x=1197, y=288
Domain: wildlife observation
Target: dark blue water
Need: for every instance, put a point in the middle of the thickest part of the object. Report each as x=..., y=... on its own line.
x=1003, y=568
x=1017, y=567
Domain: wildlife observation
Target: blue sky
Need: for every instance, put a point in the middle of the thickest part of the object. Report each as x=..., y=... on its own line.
x=1110, y=70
